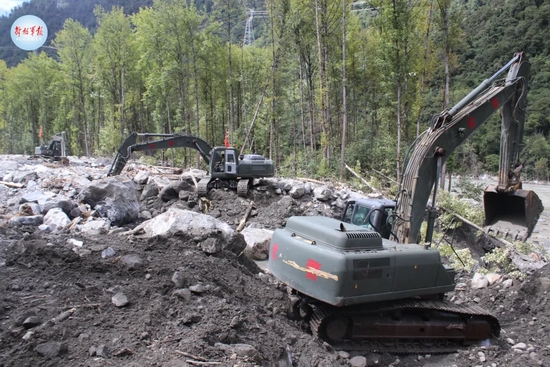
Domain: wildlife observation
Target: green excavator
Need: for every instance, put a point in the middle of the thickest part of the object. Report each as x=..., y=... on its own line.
x=360, y=290
x=227, y=168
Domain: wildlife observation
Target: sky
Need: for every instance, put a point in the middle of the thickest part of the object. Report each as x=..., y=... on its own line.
x=7, y=5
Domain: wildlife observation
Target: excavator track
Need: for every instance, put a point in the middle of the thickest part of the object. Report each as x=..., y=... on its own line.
x=402, y=327
x=242, y=187
x=202, y=186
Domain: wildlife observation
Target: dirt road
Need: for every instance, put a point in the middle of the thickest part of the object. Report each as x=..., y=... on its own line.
x=541, y=233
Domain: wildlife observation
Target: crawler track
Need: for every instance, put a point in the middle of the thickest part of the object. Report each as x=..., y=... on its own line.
x=405, y=326
x=202, y=186
x=242, y=187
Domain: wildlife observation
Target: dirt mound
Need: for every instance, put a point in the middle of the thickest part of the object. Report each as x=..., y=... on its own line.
x=228, y=315
x=165, y=302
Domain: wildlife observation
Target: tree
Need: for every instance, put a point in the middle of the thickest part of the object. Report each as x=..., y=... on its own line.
x=114, y=64
x=398, y=52
x=73, y=46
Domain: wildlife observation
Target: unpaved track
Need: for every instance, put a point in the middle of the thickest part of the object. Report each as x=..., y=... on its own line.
x=541, y=232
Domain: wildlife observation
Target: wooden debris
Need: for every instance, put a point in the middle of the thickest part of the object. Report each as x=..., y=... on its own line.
x=194, y=181
x=311, y=180
x=209, y=363
x=86, y=305
x=12, y=184
x=245, y=217
x=190, y=356
x=360, y=178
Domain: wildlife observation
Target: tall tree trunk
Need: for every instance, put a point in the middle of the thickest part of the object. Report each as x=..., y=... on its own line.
x=311, y=105
x=399, y=123
x=231, y=126
x=444, y=7
x=424, y=71
x=344, y=100
x=302, y=112
x=274, y=135
x=196, y=88
x=321, y=56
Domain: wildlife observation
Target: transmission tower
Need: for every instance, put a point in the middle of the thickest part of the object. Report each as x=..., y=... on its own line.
x=60, y=3
x=249, y=29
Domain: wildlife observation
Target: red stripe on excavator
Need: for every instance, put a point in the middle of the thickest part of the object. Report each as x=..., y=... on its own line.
x=171, y=143
x=151, y=146
x=274, y=250
x=314, y=265
x=494, y=102
x=471, y=123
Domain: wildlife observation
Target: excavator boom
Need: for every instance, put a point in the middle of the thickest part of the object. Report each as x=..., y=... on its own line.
x=449, y=130
x=181, y=140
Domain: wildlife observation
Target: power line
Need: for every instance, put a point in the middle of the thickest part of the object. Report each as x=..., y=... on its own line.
x=248, y=29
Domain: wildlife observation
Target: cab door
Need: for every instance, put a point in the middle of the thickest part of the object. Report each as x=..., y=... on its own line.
x=230, y=162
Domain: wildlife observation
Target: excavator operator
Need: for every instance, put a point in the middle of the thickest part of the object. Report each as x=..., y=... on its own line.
x=218, y=167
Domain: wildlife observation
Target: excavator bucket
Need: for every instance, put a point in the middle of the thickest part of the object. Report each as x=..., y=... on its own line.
x=511, y=215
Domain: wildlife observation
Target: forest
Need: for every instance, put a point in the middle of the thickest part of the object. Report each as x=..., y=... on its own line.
x=312, y=84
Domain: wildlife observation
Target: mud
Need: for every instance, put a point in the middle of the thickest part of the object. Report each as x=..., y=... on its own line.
x=233, y=315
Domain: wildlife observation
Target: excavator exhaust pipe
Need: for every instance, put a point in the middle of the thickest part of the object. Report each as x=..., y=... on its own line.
x=511, y=215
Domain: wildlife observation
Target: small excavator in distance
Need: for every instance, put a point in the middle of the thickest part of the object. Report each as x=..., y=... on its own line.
x=226, y=167
x=359, y=290
x=56, y=148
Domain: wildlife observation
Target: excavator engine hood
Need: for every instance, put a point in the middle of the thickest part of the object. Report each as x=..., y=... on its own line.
x=511, y=215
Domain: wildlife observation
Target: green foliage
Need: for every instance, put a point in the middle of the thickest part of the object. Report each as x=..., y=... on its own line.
x=173, y=65
x=541, y=169
x=498, y=260
x=469, y=190
x=323, y=168
x=491, y=164
x=108, y=136
x=535, y=155
x=148, y=159
x=459, y=259
x=462, y=207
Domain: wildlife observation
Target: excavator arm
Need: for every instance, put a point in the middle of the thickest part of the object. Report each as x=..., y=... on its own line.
x=178, y=140
x=448, y=131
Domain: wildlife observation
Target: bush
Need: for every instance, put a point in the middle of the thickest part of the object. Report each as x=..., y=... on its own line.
x=469, y=190
x=491, y=164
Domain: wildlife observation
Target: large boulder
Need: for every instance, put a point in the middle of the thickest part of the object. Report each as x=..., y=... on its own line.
x=141, y=177
x=28, y=220
x=94, y=228
x=213, y=234
x=322, y=193
x=257, y=242
x=176, y=221
x=114, y=198
x=56, y=201
x=172, y=191
x=150, y=190
x=48, y=200
x=56, y=220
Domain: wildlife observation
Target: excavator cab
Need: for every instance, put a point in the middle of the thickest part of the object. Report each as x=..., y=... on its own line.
x=372, y=214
